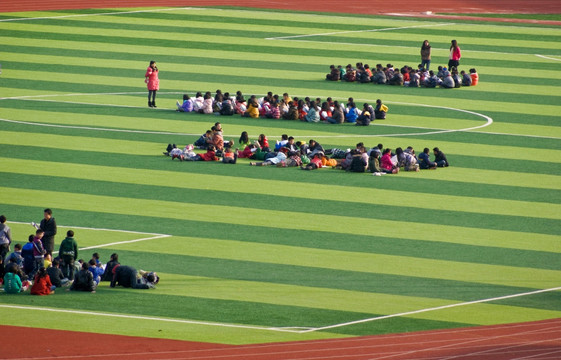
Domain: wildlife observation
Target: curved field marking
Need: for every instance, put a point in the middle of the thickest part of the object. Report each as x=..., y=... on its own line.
x=547, y=57
x=488, y=119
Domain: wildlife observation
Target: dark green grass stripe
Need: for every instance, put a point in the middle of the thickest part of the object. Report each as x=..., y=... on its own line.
x=519, y=80
x=269, y=202
x=352, y=56
x=164, y=139
x=158, y=162
x=323, y=278
x=229, y=311
x=235, y=80
x=133, y=73
x=225, y=46
x=308, y=239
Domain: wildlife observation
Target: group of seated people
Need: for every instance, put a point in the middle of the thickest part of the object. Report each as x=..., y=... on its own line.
x=406, y=76
x=309, y=156
x=275, y=107
x=25, y=269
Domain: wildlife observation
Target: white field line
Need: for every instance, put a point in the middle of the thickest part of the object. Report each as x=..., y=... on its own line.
x=432, y=309
x=156, y=236
x=99, y=14
x=282, y=38
x=489, y=120
x=138, y=317
x=547, y=57
x=356, y=31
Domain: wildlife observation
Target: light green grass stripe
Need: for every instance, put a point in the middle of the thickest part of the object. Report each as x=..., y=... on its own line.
x=362, y=262
x=291, y=220
x=235, y=185
x=489, y=314
x=149, y=328
x=329, y=299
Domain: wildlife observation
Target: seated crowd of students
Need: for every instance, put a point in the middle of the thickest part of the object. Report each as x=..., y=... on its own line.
x=274, y=106
x=307, y=155
x=405, y=76
x=29, y=267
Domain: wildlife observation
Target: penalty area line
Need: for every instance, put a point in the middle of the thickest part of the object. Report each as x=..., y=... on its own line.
x=431, y=309
x=156, y=236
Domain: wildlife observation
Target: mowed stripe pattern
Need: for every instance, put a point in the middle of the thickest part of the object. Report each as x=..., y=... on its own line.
x=268, y=247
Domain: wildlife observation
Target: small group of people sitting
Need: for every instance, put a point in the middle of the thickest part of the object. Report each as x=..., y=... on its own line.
x=405, y=76
x=275, y=107
x=30, y=267
x=309, y=156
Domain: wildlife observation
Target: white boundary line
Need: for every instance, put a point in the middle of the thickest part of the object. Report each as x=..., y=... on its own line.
x=547, y=57
x=356, y=31
x=433, y=309
x=295, y=330
x=156, y=236
x=138, y=317
x=100, y=14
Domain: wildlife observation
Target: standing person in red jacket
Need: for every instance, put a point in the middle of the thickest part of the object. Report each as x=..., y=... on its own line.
x=152, y=82
x=455, y=55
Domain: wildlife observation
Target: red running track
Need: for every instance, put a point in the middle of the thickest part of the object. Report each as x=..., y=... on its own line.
x=538, y=340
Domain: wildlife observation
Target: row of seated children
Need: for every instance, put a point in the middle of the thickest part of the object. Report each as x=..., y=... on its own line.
x=275, y=107
x=406, y=76
x=288, y=153
x=380, y=161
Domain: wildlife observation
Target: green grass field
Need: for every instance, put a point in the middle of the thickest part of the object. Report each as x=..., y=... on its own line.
x=253, y=254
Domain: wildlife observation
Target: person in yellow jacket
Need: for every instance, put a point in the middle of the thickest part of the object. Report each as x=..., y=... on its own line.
x=380, y=110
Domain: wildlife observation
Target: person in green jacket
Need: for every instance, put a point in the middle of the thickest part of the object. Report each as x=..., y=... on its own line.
x=68, y=252
x=12, y=283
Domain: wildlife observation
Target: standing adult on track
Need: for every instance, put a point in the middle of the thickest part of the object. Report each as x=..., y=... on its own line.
x=153, y=83
x=455, y=55
x=425, y=55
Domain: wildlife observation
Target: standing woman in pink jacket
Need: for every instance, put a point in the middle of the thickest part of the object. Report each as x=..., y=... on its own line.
x=153, y=83
x=455, y=55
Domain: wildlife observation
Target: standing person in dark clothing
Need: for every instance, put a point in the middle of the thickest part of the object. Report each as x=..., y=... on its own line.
x=68, y=252
x=48, y=225
x=5, y=238
x=127, y=276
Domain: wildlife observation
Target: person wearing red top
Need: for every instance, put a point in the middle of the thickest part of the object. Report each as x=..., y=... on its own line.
x=152, y=82
x=42, y=284
x=455, y=55
x=387, y=164
x=210, y=154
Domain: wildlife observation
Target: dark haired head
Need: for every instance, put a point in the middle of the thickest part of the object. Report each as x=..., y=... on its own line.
x=2, y=219
x=48, y=211
x=70, y=233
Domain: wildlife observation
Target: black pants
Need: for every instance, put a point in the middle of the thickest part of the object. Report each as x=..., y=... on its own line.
x=152, y=96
